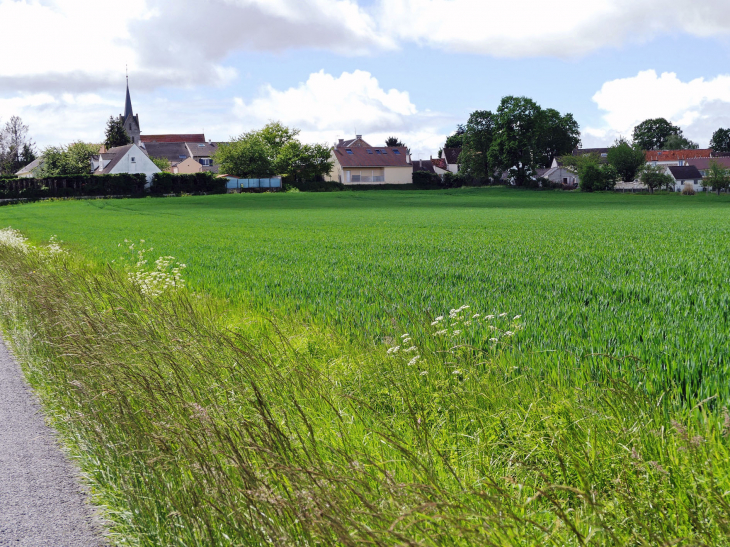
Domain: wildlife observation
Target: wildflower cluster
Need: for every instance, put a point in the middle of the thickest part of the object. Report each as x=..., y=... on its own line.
x=13, y=238
x=166, y=274
x=54, y=246
x=461, y=324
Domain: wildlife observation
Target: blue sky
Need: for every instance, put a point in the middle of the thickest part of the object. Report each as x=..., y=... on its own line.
x=411, y=68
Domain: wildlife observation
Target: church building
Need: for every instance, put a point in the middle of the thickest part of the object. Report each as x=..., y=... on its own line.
x=131, y=120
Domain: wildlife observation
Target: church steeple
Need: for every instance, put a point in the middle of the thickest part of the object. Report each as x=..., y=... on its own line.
x=128, y=105
x=130, y=120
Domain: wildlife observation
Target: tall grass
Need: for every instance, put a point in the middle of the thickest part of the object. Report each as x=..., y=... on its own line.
x=194, y=433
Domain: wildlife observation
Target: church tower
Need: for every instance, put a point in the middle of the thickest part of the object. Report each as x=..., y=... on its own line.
x=131, y=121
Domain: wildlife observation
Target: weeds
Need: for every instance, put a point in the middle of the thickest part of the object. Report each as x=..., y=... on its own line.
x=196, y=434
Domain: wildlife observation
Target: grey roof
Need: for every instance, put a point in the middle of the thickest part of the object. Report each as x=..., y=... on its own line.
x=128, y=104
x=170, y=150
x=201, y=149
x=358, y=141
x=423, y=165
x=116, y=155
x=704, y=163
x=685, y=172
x=451, y=155
x=32, y=165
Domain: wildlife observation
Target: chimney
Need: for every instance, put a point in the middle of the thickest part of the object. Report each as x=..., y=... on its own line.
x=342, y=141
x=358, y=137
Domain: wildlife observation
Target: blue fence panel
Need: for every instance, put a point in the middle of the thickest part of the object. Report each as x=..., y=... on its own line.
x=244, y=184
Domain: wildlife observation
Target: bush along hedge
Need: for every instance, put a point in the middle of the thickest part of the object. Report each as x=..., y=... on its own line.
x=194, y=183
x=125, y=184
x=313, y=185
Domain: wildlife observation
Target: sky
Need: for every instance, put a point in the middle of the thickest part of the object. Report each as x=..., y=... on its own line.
x=335, y=68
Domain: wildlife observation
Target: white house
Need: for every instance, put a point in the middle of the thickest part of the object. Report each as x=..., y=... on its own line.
x=685, y=175
x=123, y=159
x=451, y=157
x=675, y=157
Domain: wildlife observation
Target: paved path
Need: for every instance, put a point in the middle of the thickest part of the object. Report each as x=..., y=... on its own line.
x=41, y=503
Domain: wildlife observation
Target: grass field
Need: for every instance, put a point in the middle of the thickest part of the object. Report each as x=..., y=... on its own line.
x=645, y=276
x=303, y=394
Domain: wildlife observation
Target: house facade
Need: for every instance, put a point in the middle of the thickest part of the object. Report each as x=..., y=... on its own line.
x=675, y=157
x=451, y=158
x=685, y=175
x=356, y=162
x=123, y=159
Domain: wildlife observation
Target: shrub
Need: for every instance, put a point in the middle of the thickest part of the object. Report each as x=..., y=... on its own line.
x=426, y=180
x=688, y=190
x=193, y=183
x=313, y=185
x=125, y=184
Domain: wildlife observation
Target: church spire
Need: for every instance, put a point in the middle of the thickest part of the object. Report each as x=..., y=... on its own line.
x=128, y=105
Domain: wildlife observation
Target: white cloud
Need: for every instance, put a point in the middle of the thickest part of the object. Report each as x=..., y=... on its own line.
x=569, y=28
x=698, y=106
x=326, y=107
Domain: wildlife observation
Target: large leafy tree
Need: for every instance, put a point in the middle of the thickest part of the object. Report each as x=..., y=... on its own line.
x=652, y=134
x=115, y=135
x=477, y=140
x=717, y=177
x=273, y=150
x=517, y=136
x=163, y=164
x=679, y=142
x=559, y=135
x=720, y=140
x=626, y=159
x=392, y=142
x=456, y=139
x=655, y=176
x=74, y=159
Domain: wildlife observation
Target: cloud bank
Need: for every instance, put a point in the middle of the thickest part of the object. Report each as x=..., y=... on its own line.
x=698, y=106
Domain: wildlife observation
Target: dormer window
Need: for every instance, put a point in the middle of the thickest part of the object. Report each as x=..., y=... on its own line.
x=370, y=151
x=378, y=151
x=349, y=151
x=182, y=157
x=396, y=151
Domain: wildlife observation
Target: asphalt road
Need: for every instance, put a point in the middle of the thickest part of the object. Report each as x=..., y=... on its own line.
x=41, y=501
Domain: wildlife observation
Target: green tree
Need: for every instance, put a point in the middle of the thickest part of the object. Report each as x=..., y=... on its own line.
x=679, y=142
x=304, y=162
x=74, y=159
x=247, y=156
x=392, y=142
x=516, y=137
x=163, y=164
x=559, y=135
x=717, y=178
x=655, y=176
x=626, y=159
x=456, y=140
x=652, y=134
x=273, y=150
x=720, y=140
x=477, y=141
x=593, y=175
x=115, y=133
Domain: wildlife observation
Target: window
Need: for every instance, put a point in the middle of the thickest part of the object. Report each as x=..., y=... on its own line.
x=604, y=155
x=370, y=151
x=182, y=157
x=349, y=151
x=378, y=151
x=385, y=152
x=681, y=163
x=206, y=161
x=201, y=146
x=396, y=152
x=133, y=159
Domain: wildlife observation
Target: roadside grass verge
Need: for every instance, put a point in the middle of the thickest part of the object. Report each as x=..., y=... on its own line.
x=193, y=431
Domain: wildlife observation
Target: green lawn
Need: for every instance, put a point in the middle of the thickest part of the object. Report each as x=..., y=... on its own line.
x=636, y=275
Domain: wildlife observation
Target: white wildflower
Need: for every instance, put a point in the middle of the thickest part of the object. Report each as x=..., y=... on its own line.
x=405, y=335
x=440, y=333
x=516, y=317
x=456, y=333
x=490, y=317
x=406, y=340
x=440, y=318
x=503, y=314
x=393, y=350
x=409, y=350
x=476, y=316
x=424, y=373
x=434, y=323
x=494, y=339
x=509, y=333
x=456, y=372
x=13, y=238
x=414, y=360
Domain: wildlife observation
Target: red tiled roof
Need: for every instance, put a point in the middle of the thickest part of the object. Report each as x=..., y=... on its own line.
x=361, y=158
x=192, y=137
x=676, y=155
x=439, y=162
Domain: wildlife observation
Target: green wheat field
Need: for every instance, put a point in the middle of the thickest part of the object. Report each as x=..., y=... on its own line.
x=320, y=382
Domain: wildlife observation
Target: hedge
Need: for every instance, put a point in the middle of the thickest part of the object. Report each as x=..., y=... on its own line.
x=193, y=183
x=75, y=185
